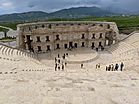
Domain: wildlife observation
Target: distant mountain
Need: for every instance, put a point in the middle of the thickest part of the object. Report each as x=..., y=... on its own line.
x=27, y=16
x=119, y=10
x=80, y=12
x=122, y=11
x=65, y=13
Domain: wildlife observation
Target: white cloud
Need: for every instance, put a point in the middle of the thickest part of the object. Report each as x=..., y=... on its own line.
x=7, y=4
x=10, y=6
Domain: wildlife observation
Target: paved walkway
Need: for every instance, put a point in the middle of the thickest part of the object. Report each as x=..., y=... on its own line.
x=6, y=27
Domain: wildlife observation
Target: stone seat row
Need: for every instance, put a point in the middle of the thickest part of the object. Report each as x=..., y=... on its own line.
x=121, y=60
x=10, y=59
x=29, y=70
x=121, y=49
x=6, y=65
x=133, y=38
x=8, y=72
x=135, y=44
x=9, y=51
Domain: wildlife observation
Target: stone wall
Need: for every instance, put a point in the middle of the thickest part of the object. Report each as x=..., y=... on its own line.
x=40, y=37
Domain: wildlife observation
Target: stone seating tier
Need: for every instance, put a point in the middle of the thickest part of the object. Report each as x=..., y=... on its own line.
x=15, y=53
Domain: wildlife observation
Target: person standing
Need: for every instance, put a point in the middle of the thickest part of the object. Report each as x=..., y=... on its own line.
x=59, y=61
x=64, y=57
x=81, y=65
x=109, y=68
x=55, y=60
x=56, y=67
x=112, y=67
x=99, y=65
x=116, y=67
x=121, y=66
x=58, y=56
x=67, y=54
x=62, y=67
x=65, y=64
x=106, y=68
x=96, y=66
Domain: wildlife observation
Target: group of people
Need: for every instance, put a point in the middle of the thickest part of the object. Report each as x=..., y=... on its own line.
x=59, y=64
x=115, y=67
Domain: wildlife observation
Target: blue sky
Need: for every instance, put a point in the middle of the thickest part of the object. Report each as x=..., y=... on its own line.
x=17, y=6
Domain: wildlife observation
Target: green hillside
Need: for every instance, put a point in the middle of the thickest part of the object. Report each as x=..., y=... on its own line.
x=80, y=12
x=125, y=24
x=24, y=17
x=3, y=29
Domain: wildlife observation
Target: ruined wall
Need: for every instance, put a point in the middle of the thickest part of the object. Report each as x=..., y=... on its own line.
x=40, y=37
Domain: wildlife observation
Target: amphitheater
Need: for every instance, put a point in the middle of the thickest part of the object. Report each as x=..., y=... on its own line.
x=30, y=78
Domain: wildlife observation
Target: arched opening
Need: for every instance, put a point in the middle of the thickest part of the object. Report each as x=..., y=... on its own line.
x=39, y=49
x=48, y=48
x=70, y=45
x=65, y=46
x=57, y=46
x=75, y=45
x=93, y=45
x=100, y=44
x=83, y=44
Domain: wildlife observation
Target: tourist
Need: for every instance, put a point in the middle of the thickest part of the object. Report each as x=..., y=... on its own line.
x=62, y=67
x=56, y=64
x=99, y=65
x=58, y=56
x=109, y=68
x=96, y=66
x=116, y=67
x=55, y=59
x=112, y=67
x=65, y=64
x=81, y=65
x=55, y=68
x=121, y=66
x=59, y=61
x=64, y=57
x=58, y=67
x=106, y=68
x=67, y=54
